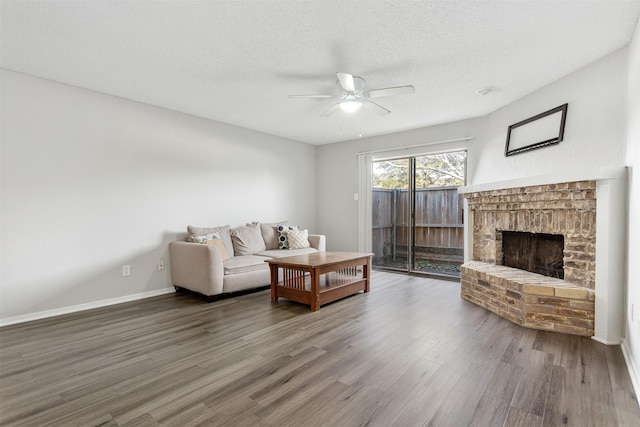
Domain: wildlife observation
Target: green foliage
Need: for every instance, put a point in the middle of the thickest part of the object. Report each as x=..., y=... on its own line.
x=437, y=170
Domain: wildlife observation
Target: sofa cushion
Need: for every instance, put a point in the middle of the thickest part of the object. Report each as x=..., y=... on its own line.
x=245, y=264
x=277, y=253
x=269, y=232
x=283, y=243
x=298, y=239
x=222, y=231
x=247, y=240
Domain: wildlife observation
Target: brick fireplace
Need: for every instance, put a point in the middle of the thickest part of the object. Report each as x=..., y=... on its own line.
x=526, y=298
x=579, y=295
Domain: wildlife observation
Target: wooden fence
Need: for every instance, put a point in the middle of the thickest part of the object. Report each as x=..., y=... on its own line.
x=438, y=224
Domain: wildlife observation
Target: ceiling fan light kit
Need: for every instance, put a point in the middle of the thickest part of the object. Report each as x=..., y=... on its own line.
x=350, y=106
x=352, y=96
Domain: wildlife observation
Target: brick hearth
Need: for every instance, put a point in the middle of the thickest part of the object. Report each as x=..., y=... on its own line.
x=529, y=299
x=525, y=298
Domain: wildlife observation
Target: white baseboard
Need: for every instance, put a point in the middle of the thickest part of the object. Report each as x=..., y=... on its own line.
x=633, y=370
x=605, y=342
x=81, y=307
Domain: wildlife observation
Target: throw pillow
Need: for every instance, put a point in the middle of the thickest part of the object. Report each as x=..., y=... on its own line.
x=205, y=237
x=282, y=235
x=218, y=244
x=270, y=233
x=298, y=239
x=223, y=231
x=247, y=240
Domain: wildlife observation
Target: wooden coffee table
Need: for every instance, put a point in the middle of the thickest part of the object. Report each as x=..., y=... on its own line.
x=320, y=278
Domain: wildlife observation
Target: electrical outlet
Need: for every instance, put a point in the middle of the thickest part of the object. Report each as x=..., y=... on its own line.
x=161, y=265
x=126, y=270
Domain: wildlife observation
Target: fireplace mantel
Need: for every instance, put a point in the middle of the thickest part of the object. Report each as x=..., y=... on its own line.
x=610, y=238
x=564, y=176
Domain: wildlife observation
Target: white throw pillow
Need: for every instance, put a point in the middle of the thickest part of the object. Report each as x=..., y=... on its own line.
x=298, y=239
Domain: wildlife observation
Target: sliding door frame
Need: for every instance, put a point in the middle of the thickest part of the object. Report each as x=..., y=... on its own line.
x=366, y=161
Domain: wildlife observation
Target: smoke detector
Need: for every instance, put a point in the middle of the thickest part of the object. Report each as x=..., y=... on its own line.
x=486, y=90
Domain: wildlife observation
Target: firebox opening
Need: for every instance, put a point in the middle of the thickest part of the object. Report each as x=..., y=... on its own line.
x=535, y=252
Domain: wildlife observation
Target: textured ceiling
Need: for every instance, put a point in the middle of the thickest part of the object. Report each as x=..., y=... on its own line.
x=236, y=61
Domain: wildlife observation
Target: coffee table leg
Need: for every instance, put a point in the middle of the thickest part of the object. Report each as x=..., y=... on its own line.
x=274, y=282
x=315, y=290
x=365, y=273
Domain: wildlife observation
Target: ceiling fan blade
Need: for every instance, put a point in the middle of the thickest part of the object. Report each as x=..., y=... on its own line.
x=346, y=81
x=330, y=110
x=313, y=96
x=378, y=109
x=389, y=91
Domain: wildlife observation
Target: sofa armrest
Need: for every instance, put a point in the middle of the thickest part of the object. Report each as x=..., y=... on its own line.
x=196, y=267
x=318, y=241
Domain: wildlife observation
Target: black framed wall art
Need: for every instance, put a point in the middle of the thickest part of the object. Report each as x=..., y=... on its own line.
x=538, y=131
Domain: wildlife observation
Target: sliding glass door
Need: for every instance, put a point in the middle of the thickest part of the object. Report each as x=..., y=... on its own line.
x=417, y=221
x=438, y=228
x=390, y=214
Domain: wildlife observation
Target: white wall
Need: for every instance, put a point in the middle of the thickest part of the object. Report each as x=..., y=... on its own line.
x=595, y=127
x=631, y=344
x=91, y=182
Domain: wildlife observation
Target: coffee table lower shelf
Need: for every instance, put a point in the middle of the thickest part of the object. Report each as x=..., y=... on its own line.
x=318, y=279
x=327, y=293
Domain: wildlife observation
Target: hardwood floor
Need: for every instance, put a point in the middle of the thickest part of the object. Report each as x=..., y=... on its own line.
x=409, y=353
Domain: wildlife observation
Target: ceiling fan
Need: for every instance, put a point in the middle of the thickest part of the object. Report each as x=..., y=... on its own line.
x=352, y=95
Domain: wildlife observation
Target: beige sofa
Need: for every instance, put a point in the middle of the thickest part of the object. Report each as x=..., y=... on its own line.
x=219, y=260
